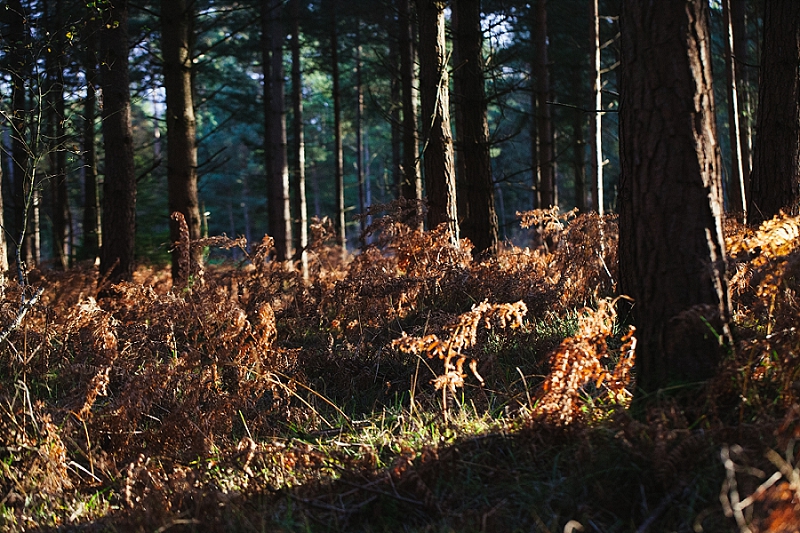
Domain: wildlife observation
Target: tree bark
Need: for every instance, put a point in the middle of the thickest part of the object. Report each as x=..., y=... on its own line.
x=362, y=206
x=119, y=185
x=60, y=214
x=19, y=64
x=278, y=205
x=544, y=124
x=596, y=117
x=737, y=196
x=479, y=223
x=412, y=179
x=91, y=202
x=670, y=245
x=176, y=26
x=438, y=160
x=299, y=153
x=775, y=178
x=338, y=155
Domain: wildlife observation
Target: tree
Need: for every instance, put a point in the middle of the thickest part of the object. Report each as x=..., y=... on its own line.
x=596, y=116
x=56, y=118
x=278, y=206
x=544, y=135
x=479, y=222
x=670, y=245
x=775, y=177
x=91, y=206
x=119, y=185
x=176, y=28
x=738, y=195
x=299, y=159
x=411, y=187
x=437, y=157
x=338, y=156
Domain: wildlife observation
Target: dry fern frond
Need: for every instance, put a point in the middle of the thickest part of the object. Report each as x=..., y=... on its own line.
x=578, y=362
x=463, y=335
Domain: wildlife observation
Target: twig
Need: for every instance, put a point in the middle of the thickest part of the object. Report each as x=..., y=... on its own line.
x=23, y=310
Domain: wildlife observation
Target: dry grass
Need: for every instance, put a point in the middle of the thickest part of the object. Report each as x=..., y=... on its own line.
x=407, y=387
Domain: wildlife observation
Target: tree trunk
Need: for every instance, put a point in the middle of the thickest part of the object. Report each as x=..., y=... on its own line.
x=91, y=206
x=479, y=223
x=119, y=185
x=596, y=117
x=57, y=138
x=737, y=196
x=278, y=205
x=338, y=155
x=739, y=24
x=412, y=179
x=670, y=246
x=176, y=26
x=579, y=159
x=546, y=155
x=438, y=162
x=299, y=161
x=394, y=114
x=362, y=206
x=19, y=64
x=776, y=156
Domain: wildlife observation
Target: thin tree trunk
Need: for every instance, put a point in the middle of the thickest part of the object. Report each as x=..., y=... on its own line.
x=547, y=184
x=596, y=117
x=579, y=161
x=412, y=178
x=534, y=134
x=119, y=185
x=396, y=94
x=18, y=35
x=672, y=256
x=479, y=224
x=176, y=24
x=738, y=20
x=299, y=162
x=440, y=182
x=738, y=198
x=338, y=155
x=362, y=207
x=92, y=236
x=278, y=206
x=776, y=158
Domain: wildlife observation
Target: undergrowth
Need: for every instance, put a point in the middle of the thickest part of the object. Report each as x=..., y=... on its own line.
x=408, y=387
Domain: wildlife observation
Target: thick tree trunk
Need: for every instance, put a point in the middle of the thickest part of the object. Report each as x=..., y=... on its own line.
x=438, y=160
x=176, y=25
x=90, y=248
x=671, y=246
x=338, y=155
x=119, y=185
x=544, y=124
x=776, y=156
x=412, y=179
x=479, y=223
x=299, y=153
x=736, y=188
x=596, y=117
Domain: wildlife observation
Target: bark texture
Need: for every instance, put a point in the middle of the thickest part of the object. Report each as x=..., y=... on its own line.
x=437, y=155
x=176, y=30
x=671, y=247
x=479, y=222
x=299, y=153
x=119, y=185
x=411, y=187
x=775, y=178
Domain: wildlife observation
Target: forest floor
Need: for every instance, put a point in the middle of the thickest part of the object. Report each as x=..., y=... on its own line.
x=405, y=388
